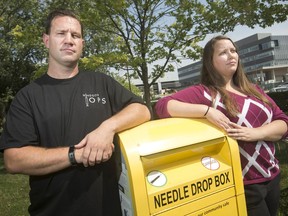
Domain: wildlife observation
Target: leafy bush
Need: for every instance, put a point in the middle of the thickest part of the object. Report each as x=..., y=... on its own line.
x=281, y=99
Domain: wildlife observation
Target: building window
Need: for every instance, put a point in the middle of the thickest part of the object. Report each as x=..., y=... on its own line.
x=270, y=44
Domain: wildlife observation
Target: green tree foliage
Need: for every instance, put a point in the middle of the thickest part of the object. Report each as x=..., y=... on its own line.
x=20, y=45
x=143, y=36
x=147, y=31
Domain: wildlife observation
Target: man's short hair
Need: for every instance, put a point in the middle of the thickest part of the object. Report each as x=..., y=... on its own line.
x=60, y=13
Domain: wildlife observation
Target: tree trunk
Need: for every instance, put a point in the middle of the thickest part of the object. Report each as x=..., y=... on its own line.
x=146, y=86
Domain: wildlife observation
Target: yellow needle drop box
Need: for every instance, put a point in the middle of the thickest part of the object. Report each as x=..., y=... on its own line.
x=180, y=166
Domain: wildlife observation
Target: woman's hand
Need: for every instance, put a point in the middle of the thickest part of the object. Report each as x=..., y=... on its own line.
x=238, y=132
x=217, y=118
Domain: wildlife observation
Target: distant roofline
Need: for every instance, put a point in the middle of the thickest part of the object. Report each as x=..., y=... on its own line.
x=252, y=38
x=275, y=66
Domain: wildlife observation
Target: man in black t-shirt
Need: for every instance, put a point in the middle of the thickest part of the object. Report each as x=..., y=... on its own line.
x=60, y=129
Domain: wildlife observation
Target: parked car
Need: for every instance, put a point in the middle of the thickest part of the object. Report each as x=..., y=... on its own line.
x=282, y=88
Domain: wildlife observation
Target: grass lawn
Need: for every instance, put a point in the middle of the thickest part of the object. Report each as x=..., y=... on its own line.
x=282, y=155
x=14, y=189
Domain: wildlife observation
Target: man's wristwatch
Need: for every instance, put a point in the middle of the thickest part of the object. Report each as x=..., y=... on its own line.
x=71, y=156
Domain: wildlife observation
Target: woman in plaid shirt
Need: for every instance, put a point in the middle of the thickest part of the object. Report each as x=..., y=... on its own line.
x=227, y=99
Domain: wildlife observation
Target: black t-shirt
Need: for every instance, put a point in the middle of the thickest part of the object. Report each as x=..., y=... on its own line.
x=51, y=112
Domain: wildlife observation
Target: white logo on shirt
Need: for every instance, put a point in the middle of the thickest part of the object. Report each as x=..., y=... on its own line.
x=93, y=98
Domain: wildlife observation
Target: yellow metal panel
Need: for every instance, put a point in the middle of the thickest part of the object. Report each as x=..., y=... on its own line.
x=181, y=166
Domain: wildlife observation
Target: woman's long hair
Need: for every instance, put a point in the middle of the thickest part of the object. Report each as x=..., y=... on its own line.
x=216, y=83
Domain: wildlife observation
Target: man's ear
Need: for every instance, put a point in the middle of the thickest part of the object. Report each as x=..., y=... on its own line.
x=45, y=38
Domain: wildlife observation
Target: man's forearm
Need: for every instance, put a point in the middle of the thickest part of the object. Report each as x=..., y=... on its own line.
x=31, y=160
x=131, y=116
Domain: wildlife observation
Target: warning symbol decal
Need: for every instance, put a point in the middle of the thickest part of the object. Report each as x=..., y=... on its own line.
x=156, y=178
x=210, y=163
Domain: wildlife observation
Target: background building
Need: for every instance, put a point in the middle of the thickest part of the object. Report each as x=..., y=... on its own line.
x=263, y=56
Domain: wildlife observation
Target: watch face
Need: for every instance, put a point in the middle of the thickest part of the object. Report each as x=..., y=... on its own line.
x=156, y=178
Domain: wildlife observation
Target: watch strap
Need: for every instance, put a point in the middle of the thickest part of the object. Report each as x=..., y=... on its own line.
x=71, y=156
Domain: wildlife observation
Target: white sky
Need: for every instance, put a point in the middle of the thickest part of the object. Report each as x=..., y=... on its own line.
x=241, y=32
